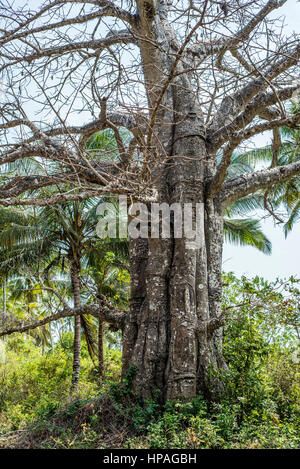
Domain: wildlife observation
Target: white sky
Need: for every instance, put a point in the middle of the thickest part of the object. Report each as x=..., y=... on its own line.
x=283, y=262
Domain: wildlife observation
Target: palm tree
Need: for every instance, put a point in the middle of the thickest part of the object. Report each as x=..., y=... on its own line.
x=71, y=227
x=68, y=230
x=43, y=240
x=62, y=235
x=285, y=196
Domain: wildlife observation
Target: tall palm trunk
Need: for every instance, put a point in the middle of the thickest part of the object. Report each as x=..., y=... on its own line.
x=100, y=340
x=75, y=269
x=100, y=349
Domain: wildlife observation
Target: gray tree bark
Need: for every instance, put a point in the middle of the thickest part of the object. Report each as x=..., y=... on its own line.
x=75, y=269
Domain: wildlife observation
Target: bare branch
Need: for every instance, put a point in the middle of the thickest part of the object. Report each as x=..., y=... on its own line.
x=260, y=105
x=232, y=105
x=238, y=137
x=97, y=45
x=109, y=10
x=236, y=188
x=113, y=317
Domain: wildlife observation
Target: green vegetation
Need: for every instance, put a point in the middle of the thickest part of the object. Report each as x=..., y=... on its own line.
x=260, y=408
x=53, y=252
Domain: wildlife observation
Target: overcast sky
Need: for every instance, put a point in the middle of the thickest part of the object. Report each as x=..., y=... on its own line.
x=283, y=262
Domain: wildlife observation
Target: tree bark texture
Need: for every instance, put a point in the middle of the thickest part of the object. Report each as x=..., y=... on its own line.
x=176, y=283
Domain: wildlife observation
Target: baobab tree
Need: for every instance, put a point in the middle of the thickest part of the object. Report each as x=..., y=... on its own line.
x=192, y=81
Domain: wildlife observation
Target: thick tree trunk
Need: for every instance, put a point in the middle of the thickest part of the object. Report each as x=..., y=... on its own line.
x=75, y=269
x=176, y=283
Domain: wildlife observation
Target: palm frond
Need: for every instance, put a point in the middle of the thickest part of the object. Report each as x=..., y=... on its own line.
x=250, y=203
